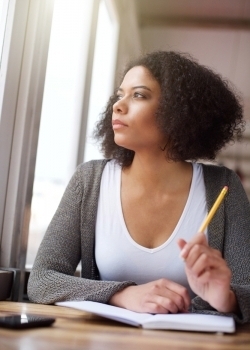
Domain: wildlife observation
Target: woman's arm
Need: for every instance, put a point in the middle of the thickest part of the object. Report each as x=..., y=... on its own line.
x=233, y=260
x=52, y=277
x=237, y=245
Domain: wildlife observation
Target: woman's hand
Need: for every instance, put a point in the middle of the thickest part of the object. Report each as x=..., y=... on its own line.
x=161, y=296
x=208, y=274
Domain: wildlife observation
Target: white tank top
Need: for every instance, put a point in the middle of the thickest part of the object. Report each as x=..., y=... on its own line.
x=120, y=258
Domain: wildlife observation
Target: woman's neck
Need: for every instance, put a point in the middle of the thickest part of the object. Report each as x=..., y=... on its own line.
x=151, y=173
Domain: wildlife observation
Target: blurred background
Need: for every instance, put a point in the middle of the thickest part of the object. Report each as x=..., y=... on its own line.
x=60, y=61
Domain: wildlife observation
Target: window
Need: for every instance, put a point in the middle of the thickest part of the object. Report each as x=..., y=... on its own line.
x=47, y=94
x=67, y=89
x=102, y=82
x=61, y=114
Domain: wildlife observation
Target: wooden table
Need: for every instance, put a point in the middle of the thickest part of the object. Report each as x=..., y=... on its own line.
x=75, y=329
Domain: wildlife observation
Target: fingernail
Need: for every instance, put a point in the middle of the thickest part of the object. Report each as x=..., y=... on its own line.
x=181, y=257
x=183, y=253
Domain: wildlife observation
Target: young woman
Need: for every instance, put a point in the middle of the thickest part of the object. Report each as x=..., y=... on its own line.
x=133, y=218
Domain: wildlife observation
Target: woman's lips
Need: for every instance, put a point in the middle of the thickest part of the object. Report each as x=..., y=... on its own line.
x=117, y=124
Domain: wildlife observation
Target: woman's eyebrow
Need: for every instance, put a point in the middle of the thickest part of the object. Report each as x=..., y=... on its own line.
x=137, y=87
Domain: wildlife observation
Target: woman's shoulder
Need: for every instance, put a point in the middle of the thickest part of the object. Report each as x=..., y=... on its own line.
x=218, y=176
x=92, y=165
x=216, y=171
x=87, y=173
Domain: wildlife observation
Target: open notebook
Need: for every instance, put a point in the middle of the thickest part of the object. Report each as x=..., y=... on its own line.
x=184, y=322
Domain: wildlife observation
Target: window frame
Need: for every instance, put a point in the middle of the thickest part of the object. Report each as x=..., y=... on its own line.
x=25, y=52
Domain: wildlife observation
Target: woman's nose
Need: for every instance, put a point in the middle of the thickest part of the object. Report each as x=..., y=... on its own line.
x=120, y=106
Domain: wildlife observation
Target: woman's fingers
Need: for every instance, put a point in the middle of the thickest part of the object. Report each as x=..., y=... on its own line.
x=154, y=308
x=166, y=296
x=161, y=296
x=181, y=243
x=200, y=258
x=198, y=239
x=219, y=275
x=159, y=304
x=176, y=293
x=208, y=273
x=205, y=263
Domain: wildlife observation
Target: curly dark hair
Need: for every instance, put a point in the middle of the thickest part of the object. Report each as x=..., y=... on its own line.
x=199, y=111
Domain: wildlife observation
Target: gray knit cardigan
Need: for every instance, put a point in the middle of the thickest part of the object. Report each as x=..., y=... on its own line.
x=70, y=238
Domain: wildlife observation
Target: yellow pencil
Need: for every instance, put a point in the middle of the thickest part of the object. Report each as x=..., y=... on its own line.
x=213, y=209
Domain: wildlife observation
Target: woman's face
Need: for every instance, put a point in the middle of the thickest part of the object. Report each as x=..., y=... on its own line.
x=133, y=119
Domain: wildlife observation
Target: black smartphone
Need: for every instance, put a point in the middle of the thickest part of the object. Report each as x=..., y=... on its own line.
x=22, y=321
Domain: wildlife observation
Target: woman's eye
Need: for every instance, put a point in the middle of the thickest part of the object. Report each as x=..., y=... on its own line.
x=118, y=97
x=138, y=95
